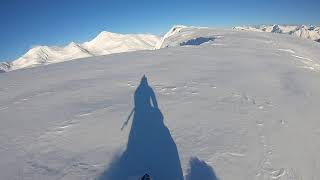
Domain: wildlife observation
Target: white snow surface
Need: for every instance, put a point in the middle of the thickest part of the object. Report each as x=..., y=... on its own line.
x=246, y=104
x=303, y=31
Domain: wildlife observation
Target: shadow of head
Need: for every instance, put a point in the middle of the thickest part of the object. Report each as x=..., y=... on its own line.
x=200, y=170
x=150, y=148
x=144, y=97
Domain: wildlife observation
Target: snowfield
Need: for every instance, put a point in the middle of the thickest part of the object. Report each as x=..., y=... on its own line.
x=231, y=105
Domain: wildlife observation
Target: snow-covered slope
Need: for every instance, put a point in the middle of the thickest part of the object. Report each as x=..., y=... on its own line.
x=104, y=43
x=244, y=106
x=308, y=32
x=46, y=55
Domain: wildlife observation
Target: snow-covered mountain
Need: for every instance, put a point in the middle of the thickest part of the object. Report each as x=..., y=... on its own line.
x=104, y=43
x=303, y=31
x=182, y=36
x=230, y=105
x=108, y=43
x=42, y=55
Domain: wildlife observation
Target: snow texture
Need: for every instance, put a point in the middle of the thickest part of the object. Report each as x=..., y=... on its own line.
x=242, y=106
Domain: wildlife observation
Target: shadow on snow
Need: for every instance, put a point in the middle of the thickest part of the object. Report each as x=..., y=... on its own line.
x=199, y=170
x=150, y=148
x=197, y=41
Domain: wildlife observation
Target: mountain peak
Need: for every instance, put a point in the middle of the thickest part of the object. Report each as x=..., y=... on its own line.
x=72, y=44
x=175, y=29
x=107, y=34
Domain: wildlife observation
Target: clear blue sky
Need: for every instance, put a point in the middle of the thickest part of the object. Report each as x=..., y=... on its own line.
x=25, y=23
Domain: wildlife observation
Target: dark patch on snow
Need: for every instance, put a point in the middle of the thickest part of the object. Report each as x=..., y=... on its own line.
x=197, y=41
x=151, y=148
x=318, y=40
x=200, y=170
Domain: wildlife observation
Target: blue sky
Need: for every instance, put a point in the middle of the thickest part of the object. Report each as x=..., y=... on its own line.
x=26, y=23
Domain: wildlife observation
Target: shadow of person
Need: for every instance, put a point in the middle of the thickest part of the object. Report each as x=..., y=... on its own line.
x=150, y=148
x=200, y=170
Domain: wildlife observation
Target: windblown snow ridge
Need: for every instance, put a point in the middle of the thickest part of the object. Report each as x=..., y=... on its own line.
x=303, y=31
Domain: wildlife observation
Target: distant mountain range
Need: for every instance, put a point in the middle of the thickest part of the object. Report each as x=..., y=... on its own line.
x=303, y=31
x=108, y=43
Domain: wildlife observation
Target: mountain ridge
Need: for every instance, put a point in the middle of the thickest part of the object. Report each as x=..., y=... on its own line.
x=108, y=42
x=104, y=43
x=304, y=31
